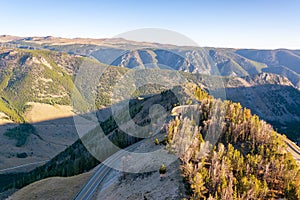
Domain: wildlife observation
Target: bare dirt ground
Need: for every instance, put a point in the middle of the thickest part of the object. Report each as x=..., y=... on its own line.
x=149, y=185
x=52, y=188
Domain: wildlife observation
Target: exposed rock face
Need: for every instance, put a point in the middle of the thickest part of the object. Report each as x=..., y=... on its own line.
x=258, y=79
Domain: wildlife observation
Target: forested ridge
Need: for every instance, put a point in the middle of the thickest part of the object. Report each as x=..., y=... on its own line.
x=248, y=161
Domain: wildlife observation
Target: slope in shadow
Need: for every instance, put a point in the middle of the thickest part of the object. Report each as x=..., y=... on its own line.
x=76, y=159
x=276, y=104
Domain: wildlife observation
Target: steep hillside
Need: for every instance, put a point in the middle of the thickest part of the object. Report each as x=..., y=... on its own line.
x=248, y=161
x=35, y=76
x=76, y=159
x=193, y=59
x=52, y=187
x=44, y=76
x=282, y=61
x=213, y=61
x=270, y=96
x=225, y=151
x=31, y=79
x=37, y=87
x=274, y=58
x=43, y=70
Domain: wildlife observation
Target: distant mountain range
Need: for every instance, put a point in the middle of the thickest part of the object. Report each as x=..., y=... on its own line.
x=130, y=54
x=43, y=70
x=245, y=71
x=41, y=73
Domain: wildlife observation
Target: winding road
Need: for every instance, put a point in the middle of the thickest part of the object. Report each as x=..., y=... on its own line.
x=293, y=149
x=103, y=170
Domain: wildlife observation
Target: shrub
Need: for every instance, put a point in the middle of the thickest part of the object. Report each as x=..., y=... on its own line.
x=20, y=133
x=162, y=169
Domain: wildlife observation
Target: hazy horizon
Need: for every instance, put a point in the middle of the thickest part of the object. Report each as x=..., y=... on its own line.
x=142, y=41
x=264, y=24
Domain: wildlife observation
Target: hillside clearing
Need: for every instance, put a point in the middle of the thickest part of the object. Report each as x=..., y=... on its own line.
x=43, y=112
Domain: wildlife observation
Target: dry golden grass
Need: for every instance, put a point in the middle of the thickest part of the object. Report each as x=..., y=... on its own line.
x=43, y=112
x=52, y=188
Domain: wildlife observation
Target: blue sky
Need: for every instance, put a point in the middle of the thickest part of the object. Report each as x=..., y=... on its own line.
x=219, y=23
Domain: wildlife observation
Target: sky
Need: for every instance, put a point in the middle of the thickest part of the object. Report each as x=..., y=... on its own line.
x=262, y=24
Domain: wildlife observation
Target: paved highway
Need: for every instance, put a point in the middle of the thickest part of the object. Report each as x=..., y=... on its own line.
x=293, y=149
x=101, y=172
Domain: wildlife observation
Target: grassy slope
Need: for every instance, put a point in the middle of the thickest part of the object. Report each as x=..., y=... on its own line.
x=52, y=188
